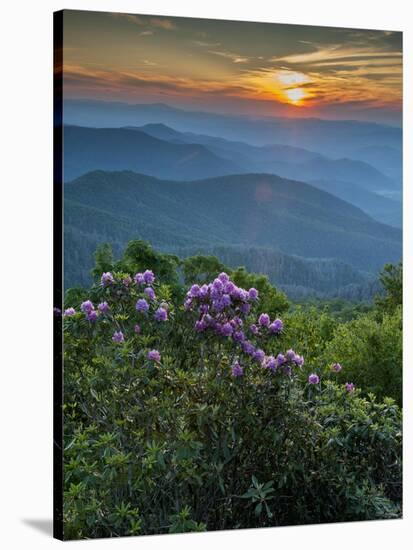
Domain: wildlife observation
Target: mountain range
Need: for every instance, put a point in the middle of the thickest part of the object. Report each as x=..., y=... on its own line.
x=248, y=212
x=87, y=149
x=284, y=160
x=315, y=204
x=158, y=150
x=334, y=138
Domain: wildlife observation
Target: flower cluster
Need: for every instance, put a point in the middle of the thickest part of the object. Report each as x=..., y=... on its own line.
x=225, y=310
x=314, y=379
x=237, y=370
x=154, y=356
x=120, y=291
x=143, y=305
x=57, y=312
x=147, y=277
x=107, y=279
x=118, y=337
x=88, y=308
x=220, y=300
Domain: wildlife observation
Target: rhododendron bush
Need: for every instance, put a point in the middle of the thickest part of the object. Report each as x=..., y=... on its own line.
x=187, y=412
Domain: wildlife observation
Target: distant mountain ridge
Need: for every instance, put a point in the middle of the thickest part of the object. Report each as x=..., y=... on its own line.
x=329, y=137
x=253, y=210
x=248, y=156
x=284, y=160
x=87, y=149
x=188, y=156
x=383, y=209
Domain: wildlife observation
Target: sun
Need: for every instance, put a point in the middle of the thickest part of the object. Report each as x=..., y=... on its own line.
x=291, y=86
x=295, y=95
x=291, y=78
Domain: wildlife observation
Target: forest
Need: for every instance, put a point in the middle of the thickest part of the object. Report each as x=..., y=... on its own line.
x=200, y=396
x=306, y=240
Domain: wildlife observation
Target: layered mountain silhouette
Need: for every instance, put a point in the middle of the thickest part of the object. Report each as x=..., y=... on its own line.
x=381, y=208
x=315, y=204
x=334, y=138
x=87, y=149
x=245, y=155
x=161, y=151
x=284, y=160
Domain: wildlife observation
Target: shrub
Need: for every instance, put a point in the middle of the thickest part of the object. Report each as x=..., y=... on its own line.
x=371, y=351
x=186, y=417
x=310, y=330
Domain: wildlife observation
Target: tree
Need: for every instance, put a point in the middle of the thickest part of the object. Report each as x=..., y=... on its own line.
x=103, y=260
x=139, y=255
x=391, y=279
x=201, y=269
x=272, y=301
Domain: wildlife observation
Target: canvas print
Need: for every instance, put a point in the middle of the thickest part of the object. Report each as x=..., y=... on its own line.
x=228, y=274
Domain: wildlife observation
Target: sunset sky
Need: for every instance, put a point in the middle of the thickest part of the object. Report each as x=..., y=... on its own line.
x=234, y=67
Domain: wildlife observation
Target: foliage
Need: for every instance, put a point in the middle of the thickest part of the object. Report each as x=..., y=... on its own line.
x=340, y=309
x=371, y=350
x=310, y=330
x=201, y=269
x=272, y=300
x=391, y=279
x=139, y=255
x=191, y=419
x=104, y=260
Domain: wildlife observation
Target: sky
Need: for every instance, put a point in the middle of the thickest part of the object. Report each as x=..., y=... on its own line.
x=255, y=69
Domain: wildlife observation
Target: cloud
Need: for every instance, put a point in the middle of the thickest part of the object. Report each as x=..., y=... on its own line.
x=366, y=71
x=203, y=44
x=234, y=57
x=163, y=23
x=129, y=17
x=304, y=90
x=76, y=76
x=305, y=68
x=318, y=86
x=334, y=53
x=144, y=20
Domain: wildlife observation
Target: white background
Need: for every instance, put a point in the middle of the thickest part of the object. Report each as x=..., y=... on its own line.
x=26, y=269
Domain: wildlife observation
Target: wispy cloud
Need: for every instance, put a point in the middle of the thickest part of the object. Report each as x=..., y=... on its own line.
x=141, y=20
x=344, y=73
x=163, y=23
x=74, y=73
x=234, y=57
x=266, y=84
x=204, y=44
x=335, y=53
